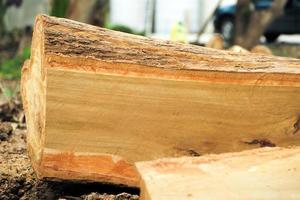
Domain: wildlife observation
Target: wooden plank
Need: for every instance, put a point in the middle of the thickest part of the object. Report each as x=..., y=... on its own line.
x=269, y=173
x=94, y=94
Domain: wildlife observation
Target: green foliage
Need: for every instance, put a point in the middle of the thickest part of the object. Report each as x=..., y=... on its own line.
x=9, y=89
x=11, y=69
x=120, y=27
x=59, y=8
x=123, y=28
x=7, y=92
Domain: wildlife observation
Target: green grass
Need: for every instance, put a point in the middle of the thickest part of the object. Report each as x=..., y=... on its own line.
x=123, y=28
x=7, y=92
x=11, y=68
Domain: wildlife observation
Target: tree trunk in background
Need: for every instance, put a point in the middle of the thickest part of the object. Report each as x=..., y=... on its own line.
x=100, y=12
x=241, y=21
x=250, y=24
x=92, y=11
x=80, y=10
x=2, y=13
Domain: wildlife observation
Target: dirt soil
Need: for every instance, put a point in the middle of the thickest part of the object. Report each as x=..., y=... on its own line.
x=17, y=178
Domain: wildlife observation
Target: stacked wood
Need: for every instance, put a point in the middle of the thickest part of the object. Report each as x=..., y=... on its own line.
x=96, y=101
x=216, y=42
x=238, y=49
x=261, y=49
x=268, y=173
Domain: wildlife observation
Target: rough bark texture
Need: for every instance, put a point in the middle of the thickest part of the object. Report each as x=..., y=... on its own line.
x=97, y=101
x=67, y=38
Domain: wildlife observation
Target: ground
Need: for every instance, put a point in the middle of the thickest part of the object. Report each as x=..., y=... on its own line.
x=17, y=178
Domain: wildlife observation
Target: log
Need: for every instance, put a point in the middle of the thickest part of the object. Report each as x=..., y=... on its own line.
x=268, y=173
x=96, y=101
x=261, y=49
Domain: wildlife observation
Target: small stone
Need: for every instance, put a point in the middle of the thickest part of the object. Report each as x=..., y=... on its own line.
x=21, y=192
x=126, y=196
x=3, y=136
x=5, y=131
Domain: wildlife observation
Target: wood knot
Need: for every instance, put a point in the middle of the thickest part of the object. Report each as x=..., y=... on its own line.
x=261, y=142
x=188, y=152
x=297, y=126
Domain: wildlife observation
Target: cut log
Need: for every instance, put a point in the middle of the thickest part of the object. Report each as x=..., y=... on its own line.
x=261, y=49
x=97, y=101
x=269, y=174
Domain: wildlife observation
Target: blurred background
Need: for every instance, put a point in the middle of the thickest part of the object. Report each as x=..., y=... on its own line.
x=239, y=25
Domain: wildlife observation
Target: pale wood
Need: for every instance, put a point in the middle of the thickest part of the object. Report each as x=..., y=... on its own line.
x=266, y=174
x=261, y=49
x=97, y=100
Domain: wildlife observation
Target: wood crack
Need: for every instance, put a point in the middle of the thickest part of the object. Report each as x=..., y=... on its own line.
x=261, y=143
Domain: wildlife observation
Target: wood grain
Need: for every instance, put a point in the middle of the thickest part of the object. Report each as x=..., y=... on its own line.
x=254, y=174
x=93, y=92
x=146, y=118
